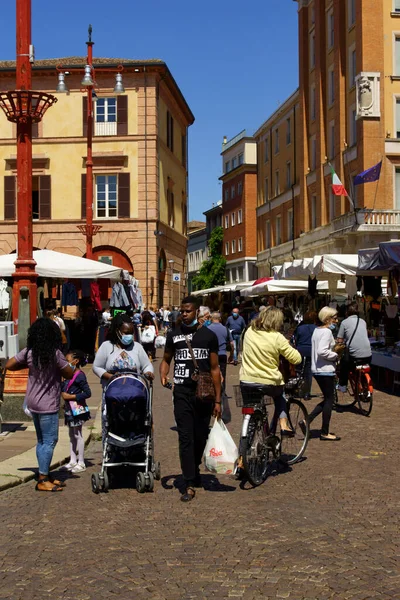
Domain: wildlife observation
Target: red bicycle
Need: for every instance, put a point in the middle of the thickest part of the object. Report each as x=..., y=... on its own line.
x=360, y=390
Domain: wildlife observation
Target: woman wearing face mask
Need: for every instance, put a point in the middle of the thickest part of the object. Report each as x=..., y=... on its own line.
x=323, y=367
x=204, y=316
x=121, y=353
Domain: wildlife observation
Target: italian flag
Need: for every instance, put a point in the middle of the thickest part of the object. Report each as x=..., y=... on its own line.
x=337, y=186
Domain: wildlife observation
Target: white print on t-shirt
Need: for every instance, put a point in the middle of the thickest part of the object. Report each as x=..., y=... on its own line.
x=182, y=338
x=199, y=354
x=181, y=371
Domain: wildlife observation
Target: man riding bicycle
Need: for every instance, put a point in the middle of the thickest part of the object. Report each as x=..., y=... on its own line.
x=353, y=332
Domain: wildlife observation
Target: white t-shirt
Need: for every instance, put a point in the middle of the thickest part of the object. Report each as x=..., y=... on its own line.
x=166, y=315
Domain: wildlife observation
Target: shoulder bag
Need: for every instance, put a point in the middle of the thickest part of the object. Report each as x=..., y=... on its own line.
x=346, y=353
x=205, y=386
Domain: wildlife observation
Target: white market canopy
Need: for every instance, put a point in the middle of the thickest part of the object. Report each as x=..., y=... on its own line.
x=228, y=287
x=328, y=264
x=286, y=286
x=62, y=266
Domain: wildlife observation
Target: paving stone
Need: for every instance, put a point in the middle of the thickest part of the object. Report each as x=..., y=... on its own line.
x=328, y=529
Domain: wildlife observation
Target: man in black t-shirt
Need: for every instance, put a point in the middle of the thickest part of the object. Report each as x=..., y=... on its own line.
x=192, y=415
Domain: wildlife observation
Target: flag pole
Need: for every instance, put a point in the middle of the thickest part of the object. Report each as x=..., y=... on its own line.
x=377, y=183
x=345, y=163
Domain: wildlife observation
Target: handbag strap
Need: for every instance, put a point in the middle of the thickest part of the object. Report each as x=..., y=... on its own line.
x=189, y=345
x=71, y=381
x=354, y=333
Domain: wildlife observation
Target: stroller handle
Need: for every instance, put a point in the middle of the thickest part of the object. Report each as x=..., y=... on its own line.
x=141, y=376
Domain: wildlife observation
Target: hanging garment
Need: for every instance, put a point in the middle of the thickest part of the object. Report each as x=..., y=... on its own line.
x=69, y=294
x=86, y=288
x=119, y=298
x=4, y=295
x=312, y=286
x=95, y=295
x=351, y=286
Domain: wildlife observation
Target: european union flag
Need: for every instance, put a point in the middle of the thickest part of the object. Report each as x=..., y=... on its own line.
x=369, y=175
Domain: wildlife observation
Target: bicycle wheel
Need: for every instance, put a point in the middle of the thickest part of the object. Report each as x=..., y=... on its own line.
x=344, y=399
x=255, y=453
x=293, y=448
x=365, y=394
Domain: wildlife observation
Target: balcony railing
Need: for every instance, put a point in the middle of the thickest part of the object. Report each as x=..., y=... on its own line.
x=380, y=217
x=107, y=128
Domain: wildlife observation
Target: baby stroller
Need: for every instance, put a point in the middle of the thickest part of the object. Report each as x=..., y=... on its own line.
x=129, y=432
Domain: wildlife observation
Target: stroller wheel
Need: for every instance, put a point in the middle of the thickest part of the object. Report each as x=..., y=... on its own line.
x=157, y=471
x=150, y=482
x=95, y=483
x=140, y=483
x=106, y=483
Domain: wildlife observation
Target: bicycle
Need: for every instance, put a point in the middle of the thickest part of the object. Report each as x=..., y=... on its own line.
x=361, y=390
x=261, y=441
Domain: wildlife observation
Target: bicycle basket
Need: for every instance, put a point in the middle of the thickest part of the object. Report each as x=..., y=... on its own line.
x=251, y=397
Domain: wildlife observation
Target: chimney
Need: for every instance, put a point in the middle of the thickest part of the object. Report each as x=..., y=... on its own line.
x=225, y=140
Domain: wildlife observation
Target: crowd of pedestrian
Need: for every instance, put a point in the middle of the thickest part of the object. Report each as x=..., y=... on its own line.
x=200, y=345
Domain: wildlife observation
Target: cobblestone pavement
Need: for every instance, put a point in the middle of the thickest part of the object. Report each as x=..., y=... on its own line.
x=326, y=529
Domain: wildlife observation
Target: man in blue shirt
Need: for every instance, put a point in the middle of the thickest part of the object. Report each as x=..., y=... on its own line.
x=236, y=325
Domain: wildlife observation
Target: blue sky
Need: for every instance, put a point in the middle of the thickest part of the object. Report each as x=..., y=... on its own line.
x=235, y=62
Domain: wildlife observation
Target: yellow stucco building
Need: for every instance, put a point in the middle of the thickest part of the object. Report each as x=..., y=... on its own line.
x=140, y=169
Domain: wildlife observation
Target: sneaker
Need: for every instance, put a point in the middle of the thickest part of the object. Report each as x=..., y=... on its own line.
x=342, y=388
x=69, y=466
x=79, y=468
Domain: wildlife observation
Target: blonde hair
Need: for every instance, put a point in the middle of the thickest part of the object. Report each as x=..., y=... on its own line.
x=326, y=313
x=269, y=319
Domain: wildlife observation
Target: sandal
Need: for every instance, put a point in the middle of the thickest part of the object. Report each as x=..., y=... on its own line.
x=54, y=488
x=324, y=438
x=188, y=495
x=57, y=482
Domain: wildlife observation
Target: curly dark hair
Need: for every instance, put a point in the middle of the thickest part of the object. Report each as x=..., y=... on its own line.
x=80, y=355
x=116, y=325
x=44, y=339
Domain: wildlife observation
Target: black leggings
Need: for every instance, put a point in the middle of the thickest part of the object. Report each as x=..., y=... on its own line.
x=327, y=386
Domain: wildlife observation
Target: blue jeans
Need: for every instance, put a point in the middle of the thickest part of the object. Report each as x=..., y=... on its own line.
x=46, y=425
x=236, y=343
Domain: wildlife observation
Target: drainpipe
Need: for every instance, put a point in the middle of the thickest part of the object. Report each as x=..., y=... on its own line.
x=145, y=184
x=294, y=179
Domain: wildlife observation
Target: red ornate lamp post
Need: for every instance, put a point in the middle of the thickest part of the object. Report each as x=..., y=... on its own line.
x=88, y=82
x=24, y=107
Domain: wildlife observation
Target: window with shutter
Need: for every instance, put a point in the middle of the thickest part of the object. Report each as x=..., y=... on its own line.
x=124, y=204
x=122, y=115
x=170, y=131
x=45, y=197
x=35, y=130
x=9, y=198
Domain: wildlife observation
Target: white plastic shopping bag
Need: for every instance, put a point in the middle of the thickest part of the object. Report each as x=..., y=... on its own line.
x=26, y=409
x=221, y=453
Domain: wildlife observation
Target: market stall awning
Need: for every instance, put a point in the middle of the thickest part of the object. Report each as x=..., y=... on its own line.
x=383, y=258
x=61, y=266
x=328, y=264
x=208, y=291
x=287, y=286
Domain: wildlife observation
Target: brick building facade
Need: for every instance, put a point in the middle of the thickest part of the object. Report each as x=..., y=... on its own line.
x=239, y=198
x=348, y=116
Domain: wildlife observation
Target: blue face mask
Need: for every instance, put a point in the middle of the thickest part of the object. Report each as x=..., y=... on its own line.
x=235, y=315
x=332, y=327
x=126, y=339
x=193, y=323
x=207, y=323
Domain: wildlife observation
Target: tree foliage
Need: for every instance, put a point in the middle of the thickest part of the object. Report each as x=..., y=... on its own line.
x=212, y=271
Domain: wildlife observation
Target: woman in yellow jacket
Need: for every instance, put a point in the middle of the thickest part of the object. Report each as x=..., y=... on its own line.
x=263, y=344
